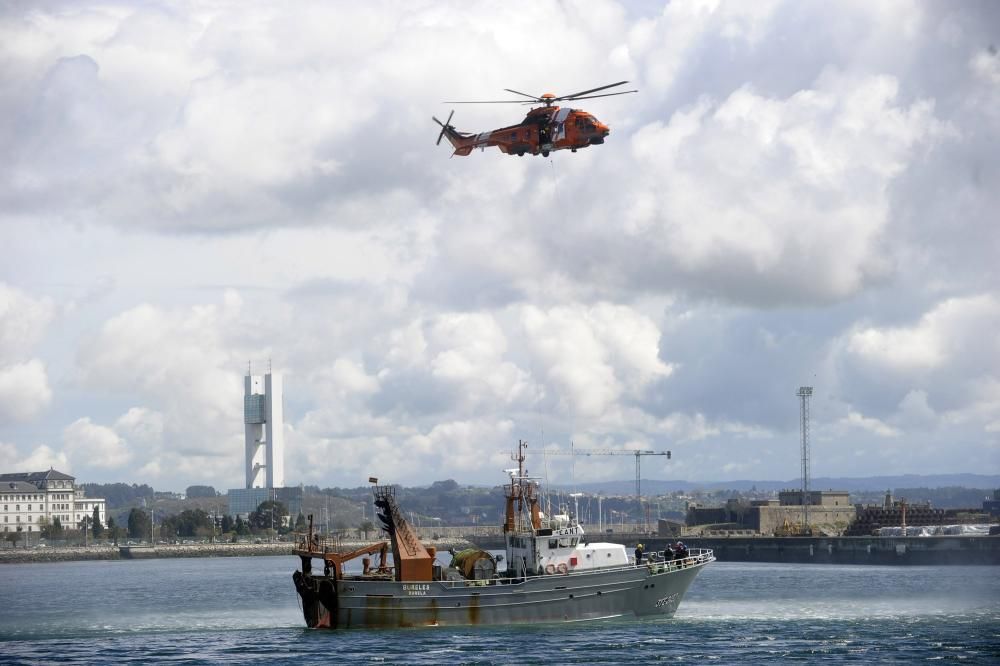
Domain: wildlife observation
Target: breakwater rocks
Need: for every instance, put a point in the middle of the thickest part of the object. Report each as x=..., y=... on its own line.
x=110, y=552
x=934, y=550
x=62, y=554
x=103, y=552
x=205, y=550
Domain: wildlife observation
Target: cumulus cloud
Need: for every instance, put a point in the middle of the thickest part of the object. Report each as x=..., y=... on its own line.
x=957, y=326
x=986, y=65
x=40, y=458
x=141, y=426
x=177, y=356
x=916, y=412
x=796, y=195
x=23, y=321
x=94, y=445
x=594, y=355
x=857, y=420
x=745, y=197
x=469, y=353
x=219, y=123
x=180, y=361
x=24, y=391
x=24, y=382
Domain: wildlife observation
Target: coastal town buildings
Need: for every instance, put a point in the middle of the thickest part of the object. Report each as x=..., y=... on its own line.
x=30, y=500
x=829, y=510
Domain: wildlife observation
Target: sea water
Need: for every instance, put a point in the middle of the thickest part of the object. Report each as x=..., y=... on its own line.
x=245, y=610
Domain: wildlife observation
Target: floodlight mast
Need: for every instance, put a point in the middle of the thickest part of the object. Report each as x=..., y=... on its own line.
x=804, y=393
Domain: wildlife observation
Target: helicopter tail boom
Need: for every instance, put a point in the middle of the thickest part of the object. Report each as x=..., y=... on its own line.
x=462, y=143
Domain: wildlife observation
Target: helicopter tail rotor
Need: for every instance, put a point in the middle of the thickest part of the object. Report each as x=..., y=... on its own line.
x=445, y=126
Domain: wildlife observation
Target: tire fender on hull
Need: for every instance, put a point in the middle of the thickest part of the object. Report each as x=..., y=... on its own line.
x=328, y=597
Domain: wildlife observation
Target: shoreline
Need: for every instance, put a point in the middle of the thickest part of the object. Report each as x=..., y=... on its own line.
x=165, y=551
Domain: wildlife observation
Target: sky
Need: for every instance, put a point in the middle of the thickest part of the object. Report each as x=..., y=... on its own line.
x=800, y=194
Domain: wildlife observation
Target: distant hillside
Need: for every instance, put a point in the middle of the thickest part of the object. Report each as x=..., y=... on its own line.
x=987, y=482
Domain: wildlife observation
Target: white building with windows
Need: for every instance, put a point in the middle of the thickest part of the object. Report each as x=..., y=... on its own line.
x=29, y=500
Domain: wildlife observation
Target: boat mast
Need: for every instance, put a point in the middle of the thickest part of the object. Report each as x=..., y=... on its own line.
x=521, y=491
x=521, y=445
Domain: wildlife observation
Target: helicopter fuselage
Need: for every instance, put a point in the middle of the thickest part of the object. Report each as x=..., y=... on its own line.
x=543, y=130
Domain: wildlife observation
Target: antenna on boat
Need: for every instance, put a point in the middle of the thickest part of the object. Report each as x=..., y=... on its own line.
x=576, y=506
x=572, y=465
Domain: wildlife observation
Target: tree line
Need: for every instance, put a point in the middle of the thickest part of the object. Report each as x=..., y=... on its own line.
x=267, y=519
x=198, y=523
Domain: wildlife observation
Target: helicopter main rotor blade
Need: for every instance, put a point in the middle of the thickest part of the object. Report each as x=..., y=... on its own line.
x=604, y=95
x=497, y=101
x=587, y=92
x=535, y=97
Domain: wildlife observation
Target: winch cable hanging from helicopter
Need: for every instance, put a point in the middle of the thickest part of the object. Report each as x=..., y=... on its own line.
x=555, y=184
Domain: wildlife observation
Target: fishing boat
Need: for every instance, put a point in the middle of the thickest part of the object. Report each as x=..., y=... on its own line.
x=554, y=573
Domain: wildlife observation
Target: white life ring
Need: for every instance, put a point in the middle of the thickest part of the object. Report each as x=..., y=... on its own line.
x=562, y=568
x=549, y=569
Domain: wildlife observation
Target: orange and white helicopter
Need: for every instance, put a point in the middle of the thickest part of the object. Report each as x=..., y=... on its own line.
x=545, y=128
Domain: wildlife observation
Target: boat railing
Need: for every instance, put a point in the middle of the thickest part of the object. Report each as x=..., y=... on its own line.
x=692, y=553
x=321, y=545
x=696, y=557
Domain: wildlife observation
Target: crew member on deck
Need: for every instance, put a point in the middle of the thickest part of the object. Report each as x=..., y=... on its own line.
x=638, y=554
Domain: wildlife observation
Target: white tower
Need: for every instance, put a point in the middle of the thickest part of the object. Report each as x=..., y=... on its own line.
x=263, y=422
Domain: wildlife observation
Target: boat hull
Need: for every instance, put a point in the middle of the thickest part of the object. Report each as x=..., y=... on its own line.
x=652, y=590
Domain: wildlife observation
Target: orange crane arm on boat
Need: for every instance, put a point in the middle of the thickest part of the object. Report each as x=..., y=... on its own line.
x=337, y=560
x=412, y=560
x=313, y=546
